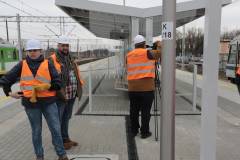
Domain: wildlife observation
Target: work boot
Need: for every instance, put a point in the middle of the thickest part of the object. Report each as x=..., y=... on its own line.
x=64, y=157
x=71, y=142
x=134, y=134
x=146, y=135
x=39, y=158
x=67, y=146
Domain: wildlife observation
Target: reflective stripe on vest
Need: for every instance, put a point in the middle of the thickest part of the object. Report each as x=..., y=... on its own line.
x=141, y=71
x=30, y=78
x=139, y=66
x=27, y=81
x=27, y=78
x=42, y=79
x=26, y=88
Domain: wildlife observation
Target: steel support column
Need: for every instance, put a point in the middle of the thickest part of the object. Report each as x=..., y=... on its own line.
x=210, y=79
x=149, y=31
x=135, y=29
x=167, y=139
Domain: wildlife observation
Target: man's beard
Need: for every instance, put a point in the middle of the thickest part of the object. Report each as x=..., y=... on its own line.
x=64, y=51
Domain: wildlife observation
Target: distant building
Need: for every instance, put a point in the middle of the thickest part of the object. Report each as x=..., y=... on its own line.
x=224, y=47
x=223, y=53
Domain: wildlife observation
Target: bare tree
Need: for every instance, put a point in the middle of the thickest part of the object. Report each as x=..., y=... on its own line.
x=230, y=34
x=193, y=42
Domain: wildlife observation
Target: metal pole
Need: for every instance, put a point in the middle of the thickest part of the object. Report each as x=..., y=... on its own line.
x=124, y=3
x=149, y=31
x=108, y=62
x=135, y=29
x=210, y=79
x=60, y=21
x=19, y=38
x=183, y=45
x=48, y=44
x=78, y=48
x=79, y=52
x=7, y=30
x=167, y=141
x=88, y=52
x=194, y=87
x=90, y=87
x=99, y=52
x=63, y=25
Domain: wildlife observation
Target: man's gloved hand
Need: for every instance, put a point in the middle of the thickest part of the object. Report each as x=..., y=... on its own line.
x=33, y=98
x=42, y=87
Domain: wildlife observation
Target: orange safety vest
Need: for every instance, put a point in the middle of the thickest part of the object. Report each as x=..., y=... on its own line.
x=56, y=63
x=58, y=67
x=27, y=81
x=139, y=66
x=238, y=71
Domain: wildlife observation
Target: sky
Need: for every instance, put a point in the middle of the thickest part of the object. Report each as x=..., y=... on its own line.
x=230, y=17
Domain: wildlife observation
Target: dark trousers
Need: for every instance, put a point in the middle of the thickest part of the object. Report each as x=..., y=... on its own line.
x=238, y=83
x=140, y=101
x=65, y=110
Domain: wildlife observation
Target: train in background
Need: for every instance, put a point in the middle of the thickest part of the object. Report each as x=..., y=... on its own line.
x=233, y=59
x=9, y=56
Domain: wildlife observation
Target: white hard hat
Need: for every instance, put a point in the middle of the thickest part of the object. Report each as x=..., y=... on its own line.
x=63, y=40
x=33, y=44
x=139, y=39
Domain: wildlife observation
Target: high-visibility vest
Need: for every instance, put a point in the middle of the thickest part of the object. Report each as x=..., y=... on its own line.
x=56, y=63
x=27, y=81
x=238, y=71
x=139, y=66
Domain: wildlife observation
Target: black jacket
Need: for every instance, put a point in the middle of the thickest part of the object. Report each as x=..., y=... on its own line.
x=14, y=75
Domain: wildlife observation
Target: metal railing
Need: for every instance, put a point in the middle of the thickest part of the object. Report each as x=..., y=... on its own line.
x=190, y=78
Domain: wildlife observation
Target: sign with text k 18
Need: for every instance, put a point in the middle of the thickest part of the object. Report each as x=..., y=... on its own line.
x=167, y=30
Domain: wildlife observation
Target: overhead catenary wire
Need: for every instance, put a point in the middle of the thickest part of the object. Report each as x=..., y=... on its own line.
x=14, y=28
x=51, y=31
x=10, y=5
x=32, y=8
x=35, y=9
x=31, y=18
x=53, y=20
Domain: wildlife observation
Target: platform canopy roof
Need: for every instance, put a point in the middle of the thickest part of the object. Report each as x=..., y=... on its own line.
x=113, y=21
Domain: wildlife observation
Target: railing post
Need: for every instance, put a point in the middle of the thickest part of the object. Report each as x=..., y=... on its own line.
x=90, y=87
x=194, y=87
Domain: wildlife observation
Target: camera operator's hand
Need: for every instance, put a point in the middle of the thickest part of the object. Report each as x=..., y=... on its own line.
x=159, y=45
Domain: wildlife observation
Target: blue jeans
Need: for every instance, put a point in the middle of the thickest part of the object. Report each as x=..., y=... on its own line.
x=50, y=113
x=65, y=113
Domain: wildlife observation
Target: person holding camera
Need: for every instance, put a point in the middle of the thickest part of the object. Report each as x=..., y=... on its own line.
x=141, y=75
x=39, y=82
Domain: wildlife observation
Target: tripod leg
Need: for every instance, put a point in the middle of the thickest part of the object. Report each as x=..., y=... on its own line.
x=155, y=116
